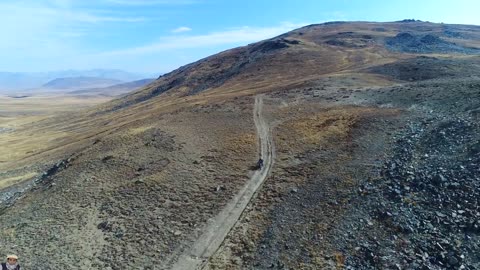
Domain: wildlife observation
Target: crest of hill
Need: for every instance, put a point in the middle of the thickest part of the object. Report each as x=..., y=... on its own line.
x=305, y=54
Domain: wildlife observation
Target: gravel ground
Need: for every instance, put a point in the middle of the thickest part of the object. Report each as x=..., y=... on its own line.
x=423, y=213
x=397, y=191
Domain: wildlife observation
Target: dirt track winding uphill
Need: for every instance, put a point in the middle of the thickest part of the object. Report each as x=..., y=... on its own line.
x=218, y=228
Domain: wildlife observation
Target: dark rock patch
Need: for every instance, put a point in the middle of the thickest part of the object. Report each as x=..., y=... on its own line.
x=268, y=46
x=409, y=21
x=379, y=29
x=427, y=202
x=5, y=130
x=452, y=34
x=425, y=68
x=350, y=40
x=406, y=42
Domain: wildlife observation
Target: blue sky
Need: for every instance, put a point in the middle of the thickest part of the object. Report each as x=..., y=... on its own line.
x=156, y=36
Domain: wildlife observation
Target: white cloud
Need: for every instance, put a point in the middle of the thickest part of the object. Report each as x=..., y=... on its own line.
x=56, y=34
x=67, y=15
x=242, y=35
x=181, y=29
x=49, y=34
x=30, y=23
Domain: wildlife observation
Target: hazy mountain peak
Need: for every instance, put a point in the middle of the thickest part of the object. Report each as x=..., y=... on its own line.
x=80, y=82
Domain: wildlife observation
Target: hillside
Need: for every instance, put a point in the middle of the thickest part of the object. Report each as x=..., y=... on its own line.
x=369, y=133
x=311, y=52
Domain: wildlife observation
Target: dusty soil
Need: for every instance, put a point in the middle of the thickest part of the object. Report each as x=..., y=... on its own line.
x=215, y=231
x=360, y=184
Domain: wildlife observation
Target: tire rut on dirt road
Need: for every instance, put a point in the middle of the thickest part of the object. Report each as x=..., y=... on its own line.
x=218, y=228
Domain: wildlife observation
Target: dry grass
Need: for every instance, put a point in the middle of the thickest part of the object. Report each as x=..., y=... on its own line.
x=46, y=105
x=320, y=128
x=139, y=130
x=16, y=146
x=17, y=179
x=35, y=132
x=241, y=144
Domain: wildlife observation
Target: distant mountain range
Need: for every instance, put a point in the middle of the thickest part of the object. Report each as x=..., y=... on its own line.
x=82, y=86
x=12, y=81
x=114, y=90
x=80, y=82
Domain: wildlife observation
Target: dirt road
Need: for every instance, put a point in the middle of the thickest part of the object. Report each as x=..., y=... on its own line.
x=218, y=228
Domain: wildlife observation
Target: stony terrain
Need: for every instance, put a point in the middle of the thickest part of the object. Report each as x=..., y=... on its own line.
x=377, y=190
x=376, y=137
